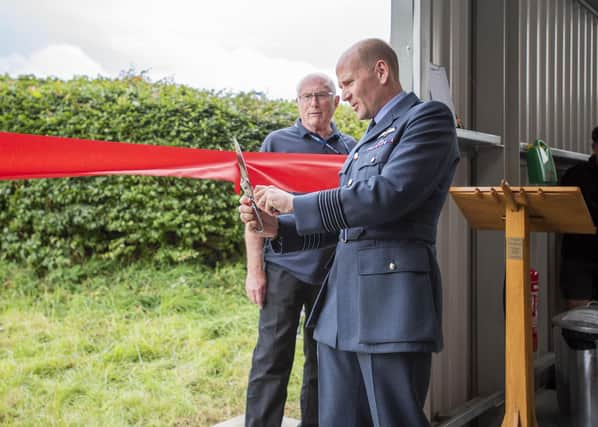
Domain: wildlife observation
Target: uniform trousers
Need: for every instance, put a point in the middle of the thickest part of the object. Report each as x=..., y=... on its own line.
x=274, y=352
x=372, y=389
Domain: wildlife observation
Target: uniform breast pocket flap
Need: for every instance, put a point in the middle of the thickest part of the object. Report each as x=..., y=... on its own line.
x=369, y=165
x=396, y=301
x=394, y=259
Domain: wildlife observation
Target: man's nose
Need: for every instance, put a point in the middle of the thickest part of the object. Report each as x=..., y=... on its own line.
x=345, y=95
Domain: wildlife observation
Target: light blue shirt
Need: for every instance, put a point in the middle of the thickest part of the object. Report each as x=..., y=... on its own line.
x=389, y=105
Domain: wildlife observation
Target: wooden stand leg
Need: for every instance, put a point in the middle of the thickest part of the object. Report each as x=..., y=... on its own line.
x=519, y=380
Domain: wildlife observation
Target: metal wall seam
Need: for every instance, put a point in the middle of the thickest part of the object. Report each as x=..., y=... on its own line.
x=542, y=72
x=524, y=51
x=567, y=60
x=550, y=82
x=574, y=65
x=557, y=67
x=585, y=120
x=533, y=71
x=594, y=71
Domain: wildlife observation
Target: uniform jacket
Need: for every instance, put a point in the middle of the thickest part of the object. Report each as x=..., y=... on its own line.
x=383, y=291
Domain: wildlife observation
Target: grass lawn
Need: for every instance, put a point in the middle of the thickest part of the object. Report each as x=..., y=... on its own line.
x=138, y=346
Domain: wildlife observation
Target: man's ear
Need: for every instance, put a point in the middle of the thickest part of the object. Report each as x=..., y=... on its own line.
x=382, y=71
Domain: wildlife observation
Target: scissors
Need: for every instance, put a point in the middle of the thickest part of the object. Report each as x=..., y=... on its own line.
x=246, y=185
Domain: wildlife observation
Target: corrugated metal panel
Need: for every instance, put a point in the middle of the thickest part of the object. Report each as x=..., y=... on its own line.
x=558, y=59
x=451, y=369
x=551, y=85
x=460, y=57
x=558, y=102
x=450, y=46
x=593, y=71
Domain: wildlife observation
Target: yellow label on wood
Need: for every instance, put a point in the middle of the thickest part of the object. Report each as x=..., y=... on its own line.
x=514, y=248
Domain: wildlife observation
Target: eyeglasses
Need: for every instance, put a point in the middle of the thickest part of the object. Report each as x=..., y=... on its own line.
x=319, y=96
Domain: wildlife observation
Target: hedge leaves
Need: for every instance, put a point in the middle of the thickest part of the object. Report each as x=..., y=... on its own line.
x=53, y=223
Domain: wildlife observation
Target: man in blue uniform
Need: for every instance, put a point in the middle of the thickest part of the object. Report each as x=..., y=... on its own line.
x=281, y=285
x=378, y=316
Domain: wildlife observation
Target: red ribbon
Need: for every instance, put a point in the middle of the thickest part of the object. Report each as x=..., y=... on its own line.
x=25, y=156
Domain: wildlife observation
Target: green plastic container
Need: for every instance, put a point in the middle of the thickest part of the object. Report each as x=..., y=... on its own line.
x=540, y=164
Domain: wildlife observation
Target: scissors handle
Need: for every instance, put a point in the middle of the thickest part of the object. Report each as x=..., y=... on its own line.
x=256, y=211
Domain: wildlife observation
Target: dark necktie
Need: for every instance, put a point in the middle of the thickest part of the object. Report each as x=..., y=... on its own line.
x=371, y=126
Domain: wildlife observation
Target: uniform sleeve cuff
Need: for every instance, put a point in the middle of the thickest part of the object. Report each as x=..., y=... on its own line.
x=319, y=212
x=331, y=210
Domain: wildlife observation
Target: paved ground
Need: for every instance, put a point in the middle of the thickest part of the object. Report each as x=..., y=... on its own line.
x=240, y=422
x=547, y=411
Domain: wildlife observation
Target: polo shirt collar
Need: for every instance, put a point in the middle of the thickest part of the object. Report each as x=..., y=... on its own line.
x=303, y=132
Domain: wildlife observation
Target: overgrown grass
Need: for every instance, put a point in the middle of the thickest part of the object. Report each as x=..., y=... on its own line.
x=139, y=346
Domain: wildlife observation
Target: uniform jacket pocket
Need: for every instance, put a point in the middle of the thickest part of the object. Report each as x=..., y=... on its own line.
x=396, y=301
x=368, y=165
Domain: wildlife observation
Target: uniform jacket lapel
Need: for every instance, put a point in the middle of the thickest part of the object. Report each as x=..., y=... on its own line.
x=400, y=109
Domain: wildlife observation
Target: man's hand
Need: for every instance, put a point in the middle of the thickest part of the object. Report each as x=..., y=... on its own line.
x=247, y=215
x=255, y=287
x=273, y=200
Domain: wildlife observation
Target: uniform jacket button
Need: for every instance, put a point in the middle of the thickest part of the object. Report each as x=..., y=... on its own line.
x=373, y=159
x=392, y=266
x=355, y=156
x=350, y=182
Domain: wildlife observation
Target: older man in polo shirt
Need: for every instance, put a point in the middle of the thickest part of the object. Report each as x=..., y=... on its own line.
x=283, y=285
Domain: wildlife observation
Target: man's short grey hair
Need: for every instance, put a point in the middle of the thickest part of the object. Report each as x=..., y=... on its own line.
x=327, y=81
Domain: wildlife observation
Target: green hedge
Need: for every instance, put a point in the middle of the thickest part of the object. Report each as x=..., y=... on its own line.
x=50, y=223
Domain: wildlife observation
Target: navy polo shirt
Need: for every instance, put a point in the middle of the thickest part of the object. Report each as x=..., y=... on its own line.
x=308, y=266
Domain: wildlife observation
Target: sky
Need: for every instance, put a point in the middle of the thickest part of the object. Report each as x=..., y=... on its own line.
x=235, y=45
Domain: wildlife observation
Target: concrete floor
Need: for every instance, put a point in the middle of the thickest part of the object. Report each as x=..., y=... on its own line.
x=240, y=422
x=547, y=411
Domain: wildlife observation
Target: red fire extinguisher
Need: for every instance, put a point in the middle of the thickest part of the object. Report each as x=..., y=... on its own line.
x=533, y=279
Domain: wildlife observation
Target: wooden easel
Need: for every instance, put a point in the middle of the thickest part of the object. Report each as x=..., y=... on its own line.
x=519, y=211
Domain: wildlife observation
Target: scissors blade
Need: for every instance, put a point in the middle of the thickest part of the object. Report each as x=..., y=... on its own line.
x=246, y=184
x=241, y=162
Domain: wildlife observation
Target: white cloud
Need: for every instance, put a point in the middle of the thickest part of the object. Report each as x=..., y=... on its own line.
x=213, y=67
x=62, y=61
x=208, y=64
x=237, y=70
x=263, y=45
